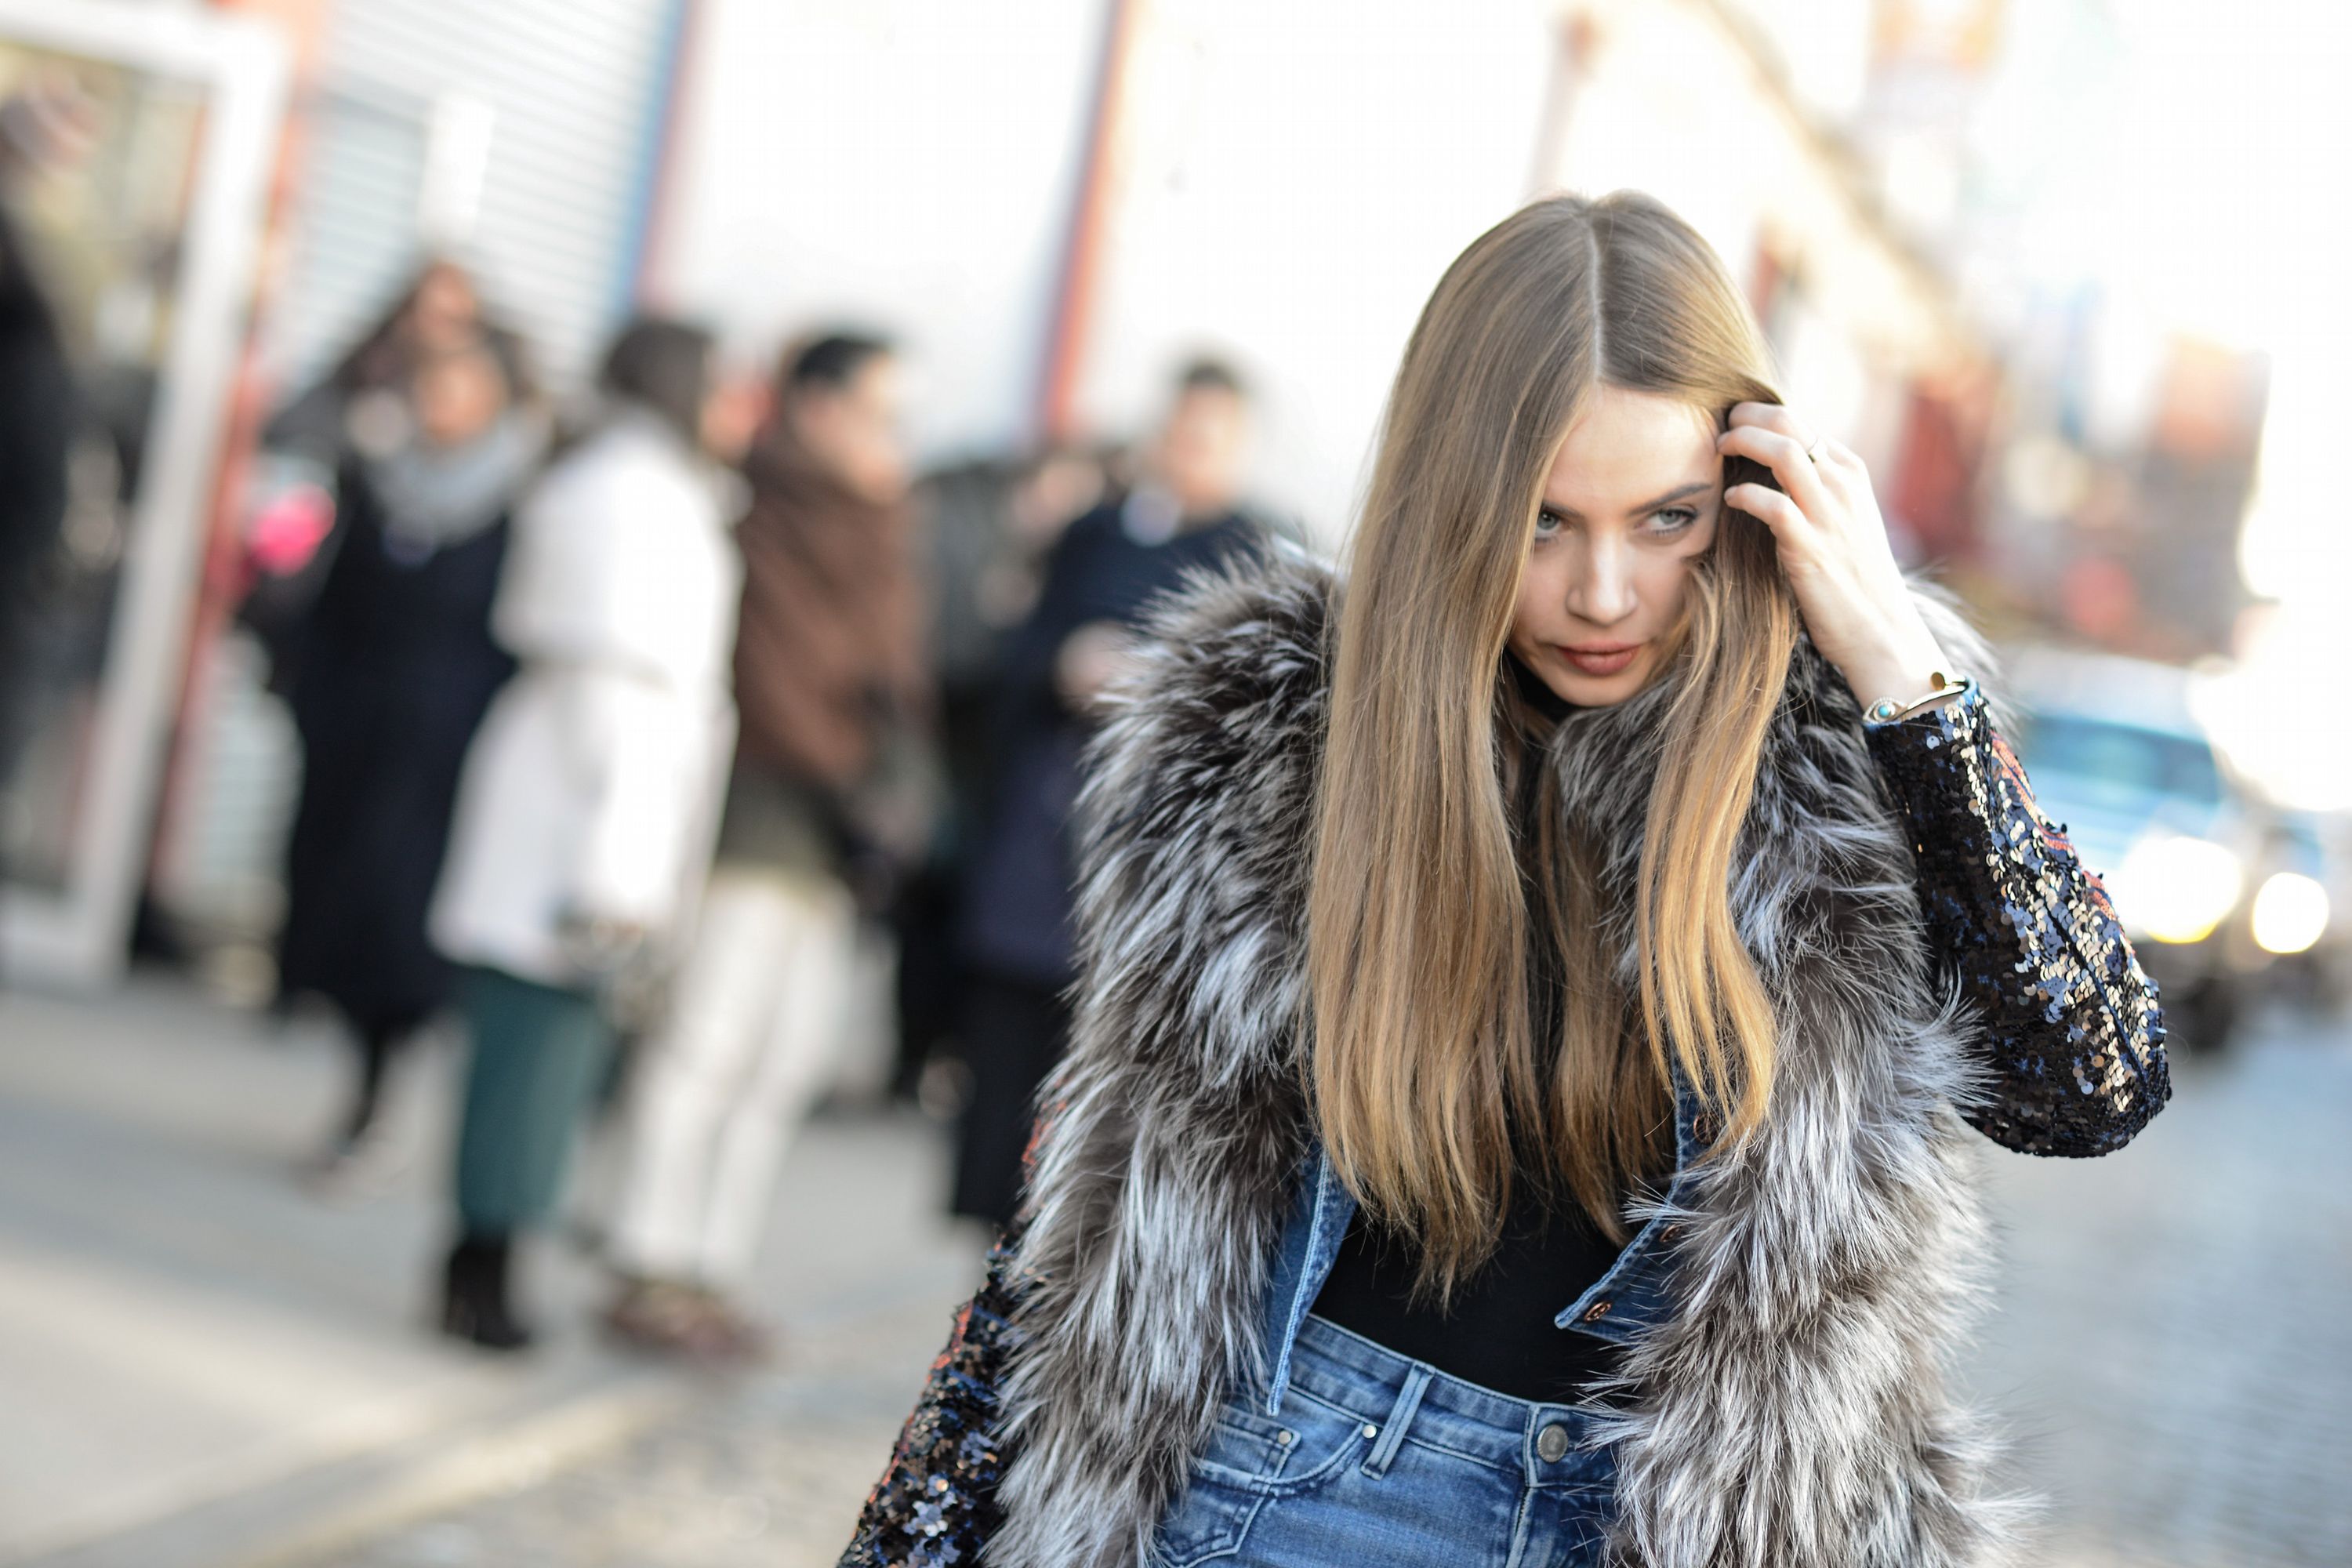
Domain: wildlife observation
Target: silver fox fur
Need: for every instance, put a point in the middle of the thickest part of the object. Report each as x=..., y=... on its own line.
x=1791, y=1413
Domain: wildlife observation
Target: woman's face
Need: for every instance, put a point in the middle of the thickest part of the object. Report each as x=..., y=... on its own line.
x=457, y=397
x=1633, y=499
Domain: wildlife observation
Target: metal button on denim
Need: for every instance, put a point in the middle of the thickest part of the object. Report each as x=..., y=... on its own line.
x=1551, y=1442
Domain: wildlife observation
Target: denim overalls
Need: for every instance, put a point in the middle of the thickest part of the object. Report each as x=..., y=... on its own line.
x=1353, y=1454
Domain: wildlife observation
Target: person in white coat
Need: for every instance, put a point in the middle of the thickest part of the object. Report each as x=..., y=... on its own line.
x=833, y=679
x=590, y=795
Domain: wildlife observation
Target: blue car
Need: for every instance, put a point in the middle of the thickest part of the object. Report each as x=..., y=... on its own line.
x=2211, y=888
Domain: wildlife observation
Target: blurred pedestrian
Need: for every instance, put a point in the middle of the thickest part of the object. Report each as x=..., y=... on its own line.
x=1184, y=512
x=990, y=525
x=398, y=670
x=441, y=309
x=359, y=410
x=830, y=677
x=40, y=128
x=584, y=819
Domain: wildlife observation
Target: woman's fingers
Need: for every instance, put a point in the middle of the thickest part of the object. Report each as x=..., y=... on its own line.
x=1785, y=455
x=1841, y=474
x=1774, y=511
x=1835, y=454
x=1830, y=470
x=1845, y=476
x=1768, y=416
x=1826, y=529
x=1779, y=419
x=1834, y=458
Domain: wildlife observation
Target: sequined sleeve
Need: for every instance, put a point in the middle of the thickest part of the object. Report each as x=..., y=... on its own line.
x=936, y=1506
x=2073, y=1035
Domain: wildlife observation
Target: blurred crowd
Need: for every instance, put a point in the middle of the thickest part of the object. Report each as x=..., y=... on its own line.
x=631, y=725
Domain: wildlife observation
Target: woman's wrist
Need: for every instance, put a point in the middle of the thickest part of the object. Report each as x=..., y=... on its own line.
x=1901, y=666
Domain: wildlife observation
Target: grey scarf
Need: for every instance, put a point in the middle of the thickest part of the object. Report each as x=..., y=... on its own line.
x=435, y=496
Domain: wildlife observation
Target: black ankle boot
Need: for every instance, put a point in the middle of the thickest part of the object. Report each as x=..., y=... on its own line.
x=474, y=1296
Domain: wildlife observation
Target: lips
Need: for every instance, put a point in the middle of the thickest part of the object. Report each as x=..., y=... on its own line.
x=1601, y=658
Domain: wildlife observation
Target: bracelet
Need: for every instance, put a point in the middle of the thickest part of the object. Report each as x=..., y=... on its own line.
x=1886, y=711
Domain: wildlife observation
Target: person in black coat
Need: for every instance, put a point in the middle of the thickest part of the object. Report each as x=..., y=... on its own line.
x=397, y=667
x=1016, y=933
x=36, y=426
x=360, y=403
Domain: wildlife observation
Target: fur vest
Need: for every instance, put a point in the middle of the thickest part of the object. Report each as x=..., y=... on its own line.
x=1792, y=1413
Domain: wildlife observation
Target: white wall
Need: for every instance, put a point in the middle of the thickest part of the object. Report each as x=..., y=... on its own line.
x=1675, y=103
x=1290, y=182
x=904, y=164
x=513, y=135
x=1296, y=178
x=1293, y=180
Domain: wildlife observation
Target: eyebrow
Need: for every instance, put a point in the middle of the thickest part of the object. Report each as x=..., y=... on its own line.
x=1680, y=492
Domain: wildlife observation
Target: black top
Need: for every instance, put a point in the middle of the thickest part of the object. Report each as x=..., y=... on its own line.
x=1498, y=1330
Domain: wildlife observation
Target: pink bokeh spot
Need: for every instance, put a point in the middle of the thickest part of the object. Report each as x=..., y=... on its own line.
x=286, y=532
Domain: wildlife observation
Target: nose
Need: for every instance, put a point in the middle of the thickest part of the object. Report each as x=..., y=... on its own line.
x=1601, y=591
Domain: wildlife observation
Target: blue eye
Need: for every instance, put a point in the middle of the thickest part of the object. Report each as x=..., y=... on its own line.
x=1548, y=523
x=1673, y=520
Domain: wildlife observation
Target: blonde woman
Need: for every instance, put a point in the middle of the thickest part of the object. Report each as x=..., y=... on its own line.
x=1536, y=990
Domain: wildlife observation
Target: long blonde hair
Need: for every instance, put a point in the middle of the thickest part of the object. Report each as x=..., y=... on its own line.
x=1422, y=1054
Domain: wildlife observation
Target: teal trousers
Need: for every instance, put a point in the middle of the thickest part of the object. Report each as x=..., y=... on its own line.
x=539, y=1056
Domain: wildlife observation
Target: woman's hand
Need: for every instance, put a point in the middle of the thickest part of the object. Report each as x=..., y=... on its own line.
x=1832, y=545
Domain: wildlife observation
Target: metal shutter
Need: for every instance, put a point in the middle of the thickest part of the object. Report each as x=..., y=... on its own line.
x=572, y=90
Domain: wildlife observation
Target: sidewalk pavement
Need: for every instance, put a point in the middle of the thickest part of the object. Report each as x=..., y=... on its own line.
x=205, y=1366
x=2170, y=1349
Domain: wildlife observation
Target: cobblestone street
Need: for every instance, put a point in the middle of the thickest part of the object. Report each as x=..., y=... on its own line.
x=2169, y=1346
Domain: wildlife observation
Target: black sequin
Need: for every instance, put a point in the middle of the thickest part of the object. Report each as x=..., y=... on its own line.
x=935, y=1505
x=2074, y=1038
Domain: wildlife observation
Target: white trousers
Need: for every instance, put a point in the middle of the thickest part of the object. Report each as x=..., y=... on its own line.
x=752, y=1040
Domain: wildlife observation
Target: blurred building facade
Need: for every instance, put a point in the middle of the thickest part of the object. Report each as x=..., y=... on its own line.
x=1050, y=204
x=522, y=139
x=135, y=143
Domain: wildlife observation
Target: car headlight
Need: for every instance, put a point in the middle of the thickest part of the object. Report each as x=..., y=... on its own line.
x=2290, y=912
x=2177, y=889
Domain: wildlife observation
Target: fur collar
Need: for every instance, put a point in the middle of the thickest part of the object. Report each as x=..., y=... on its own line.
x=1790, y=1412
